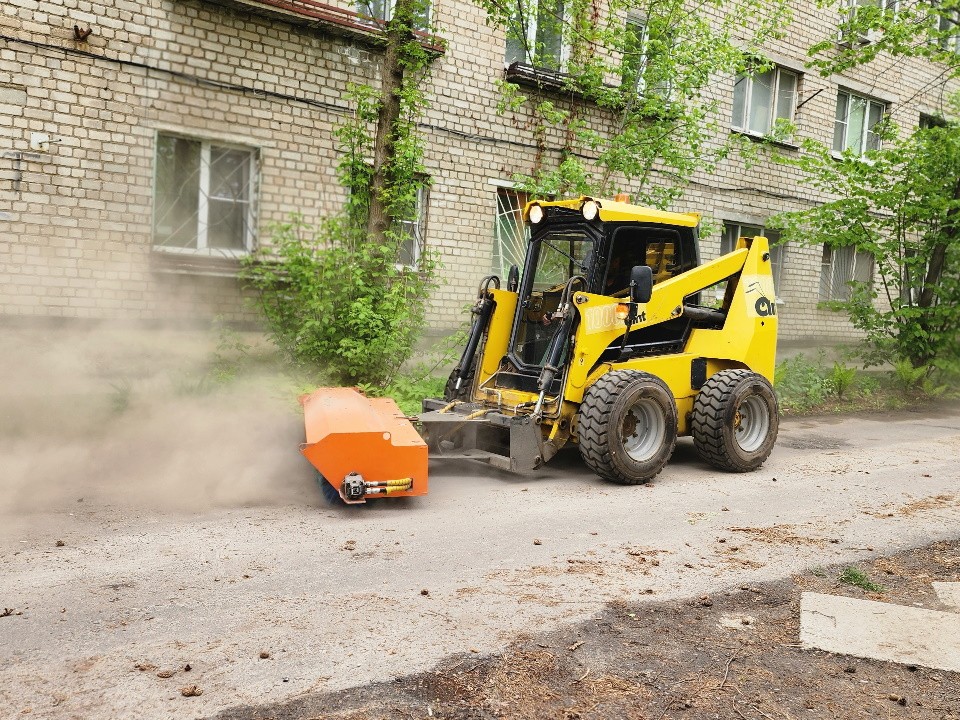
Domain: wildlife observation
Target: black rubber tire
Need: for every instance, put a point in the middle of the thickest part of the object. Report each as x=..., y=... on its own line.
x=449, y=394
x=601, y=426
x=718, y=416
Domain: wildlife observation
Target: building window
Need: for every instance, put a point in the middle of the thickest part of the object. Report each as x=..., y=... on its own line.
x=840, y=267
x=948, y=30
x=856, y=119
x=851, y=34
x=634, y=55
x=204, y=197
x=928, y=122
x=509, y=232
x=760, y=99
x=382, y=10
x=415, y=230
x=537, y=35
x=734, y=231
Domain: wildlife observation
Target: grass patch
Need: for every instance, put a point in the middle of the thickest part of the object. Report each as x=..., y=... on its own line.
x=855, y=576
x=808, y=385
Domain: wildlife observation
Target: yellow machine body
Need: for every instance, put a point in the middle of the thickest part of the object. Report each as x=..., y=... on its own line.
x=746, y=339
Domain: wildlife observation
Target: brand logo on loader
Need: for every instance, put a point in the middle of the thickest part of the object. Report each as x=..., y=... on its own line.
x=761, y=299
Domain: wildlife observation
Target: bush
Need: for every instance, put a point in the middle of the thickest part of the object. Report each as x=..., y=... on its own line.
x=800, y=383
x=907, y=377
x=840, y=379
x=336, y=301
x=409, y=389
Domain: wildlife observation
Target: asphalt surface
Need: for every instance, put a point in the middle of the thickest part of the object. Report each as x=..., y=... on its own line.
x=265, y=600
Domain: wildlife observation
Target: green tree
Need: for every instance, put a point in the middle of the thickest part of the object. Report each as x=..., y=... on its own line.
x=880, y=28
x=901, y=204
x=350, y=294
x=620, y=100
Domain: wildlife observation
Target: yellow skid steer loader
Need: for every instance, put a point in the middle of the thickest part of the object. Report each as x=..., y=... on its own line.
x=615, y=338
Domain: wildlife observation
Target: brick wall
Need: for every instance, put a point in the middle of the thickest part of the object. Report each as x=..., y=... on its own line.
x=76, y=237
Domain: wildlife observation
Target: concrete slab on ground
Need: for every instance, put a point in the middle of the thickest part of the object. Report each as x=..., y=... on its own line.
x=883, y=631
x=949, y=594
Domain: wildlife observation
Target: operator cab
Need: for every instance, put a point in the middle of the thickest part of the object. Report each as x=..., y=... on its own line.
x=589, y=246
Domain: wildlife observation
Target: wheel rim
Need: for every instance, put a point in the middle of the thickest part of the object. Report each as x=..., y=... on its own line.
x=752, y=423
x=643, y=429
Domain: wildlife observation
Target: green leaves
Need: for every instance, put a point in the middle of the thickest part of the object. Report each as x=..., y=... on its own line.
x=922, y=29
x=333, y=301
x=901, y=204
x=635, y=75
x=339, y=296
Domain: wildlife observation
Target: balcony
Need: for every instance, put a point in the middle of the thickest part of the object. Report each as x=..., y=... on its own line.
x=328, y=19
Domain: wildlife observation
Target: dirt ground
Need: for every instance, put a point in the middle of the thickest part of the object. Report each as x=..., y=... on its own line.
x=734, y=654
x=156, y=515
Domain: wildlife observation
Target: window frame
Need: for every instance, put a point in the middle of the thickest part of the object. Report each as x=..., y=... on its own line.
x=510, y=204
x=833, y=289
x=416, y=229
x=867, y=127
x=743, y=126
x=364, y=9
x=928, y=122
x=945, y=38
x=532, y=22
x=204, y=196
x=871, y=35
x=733, y=231
x=643, y=38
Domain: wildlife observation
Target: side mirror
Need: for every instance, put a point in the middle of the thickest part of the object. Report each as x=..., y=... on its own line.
x=641, y=283
x=513, y=278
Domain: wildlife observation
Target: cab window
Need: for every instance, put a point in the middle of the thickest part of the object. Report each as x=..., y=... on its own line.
x=660, y=248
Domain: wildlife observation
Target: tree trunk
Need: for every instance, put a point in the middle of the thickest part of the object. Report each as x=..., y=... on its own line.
x=399, y=31
x=939, y=255
x=935, y=268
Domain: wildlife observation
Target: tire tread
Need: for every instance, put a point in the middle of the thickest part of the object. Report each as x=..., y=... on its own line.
x=594, y=418
x=708, y=421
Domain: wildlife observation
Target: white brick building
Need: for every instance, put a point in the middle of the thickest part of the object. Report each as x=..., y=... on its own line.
x=169, y=138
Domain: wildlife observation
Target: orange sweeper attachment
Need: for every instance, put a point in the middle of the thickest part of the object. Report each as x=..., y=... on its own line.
x=362, y=447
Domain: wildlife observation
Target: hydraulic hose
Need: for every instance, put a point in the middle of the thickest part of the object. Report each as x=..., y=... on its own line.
x=482, y=310
x=559, y=343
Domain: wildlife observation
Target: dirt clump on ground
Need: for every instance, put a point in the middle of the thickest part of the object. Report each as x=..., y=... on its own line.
x=732, y=654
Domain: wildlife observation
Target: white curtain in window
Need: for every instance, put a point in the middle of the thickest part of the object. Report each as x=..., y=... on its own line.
x=761, y=101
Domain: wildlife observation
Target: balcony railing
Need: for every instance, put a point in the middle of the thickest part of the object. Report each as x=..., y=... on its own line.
x=331, y=18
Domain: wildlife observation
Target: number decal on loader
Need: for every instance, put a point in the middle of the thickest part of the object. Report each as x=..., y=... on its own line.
x=604, y=317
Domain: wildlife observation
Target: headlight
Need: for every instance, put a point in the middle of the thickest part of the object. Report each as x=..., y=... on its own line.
x=590, y=209
x=536, y=214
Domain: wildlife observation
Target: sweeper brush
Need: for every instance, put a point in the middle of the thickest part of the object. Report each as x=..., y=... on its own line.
x=363, y=447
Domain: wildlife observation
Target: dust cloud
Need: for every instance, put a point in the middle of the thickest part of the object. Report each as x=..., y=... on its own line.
x=144, y=420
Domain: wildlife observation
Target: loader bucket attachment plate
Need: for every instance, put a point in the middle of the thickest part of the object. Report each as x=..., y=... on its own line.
x=470, y=431
x=364, y=447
